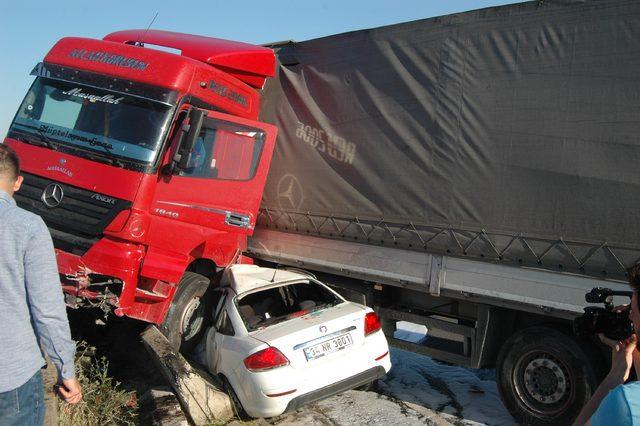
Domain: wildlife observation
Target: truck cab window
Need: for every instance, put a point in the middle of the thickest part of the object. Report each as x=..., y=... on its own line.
x=201, y=164
x=225, y=151
x=63, y=111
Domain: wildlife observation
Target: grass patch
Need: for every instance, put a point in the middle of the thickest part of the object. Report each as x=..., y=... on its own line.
x=103, y=401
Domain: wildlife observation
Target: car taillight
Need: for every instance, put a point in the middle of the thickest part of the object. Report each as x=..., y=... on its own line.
x=371, y=323
x=266, y=359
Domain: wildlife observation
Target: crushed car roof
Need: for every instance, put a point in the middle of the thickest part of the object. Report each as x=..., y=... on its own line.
x=244, y=278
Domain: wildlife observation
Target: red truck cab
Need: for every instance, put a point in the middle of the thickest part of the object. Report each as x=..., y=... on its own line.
x=147, y=166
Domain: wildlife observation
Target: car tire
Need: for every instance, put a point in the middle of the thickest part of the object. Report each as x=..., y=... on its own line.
x=188, y=315
x=236, y=405
x=544, y=376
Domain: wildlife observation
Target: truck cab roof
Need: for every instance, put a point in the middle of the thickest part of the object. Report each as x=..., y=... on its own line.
x=220, y=73
x=249, y=63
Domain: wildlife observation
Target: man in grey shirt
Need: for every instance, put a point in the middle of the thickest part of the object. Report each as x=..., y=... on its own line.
x=32, y=309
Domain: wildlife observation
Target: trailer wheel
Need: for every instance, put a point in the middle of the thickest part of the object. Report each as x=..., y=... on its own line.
x=544, y=376
x=187, y=317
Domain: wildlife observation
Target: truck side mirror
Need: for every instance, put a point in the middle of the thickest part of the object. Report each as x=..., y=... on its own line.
x=196, y=116
x=188, y=135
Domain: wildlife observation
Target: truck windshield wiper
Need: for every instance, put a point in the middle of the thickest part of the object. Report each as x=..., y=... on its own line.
x=46, y=140
x=110, y=157
x=30, y=139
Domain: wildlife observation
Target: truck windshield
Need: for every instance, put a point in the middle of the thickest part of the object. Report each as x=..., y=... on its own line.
x=91, y=120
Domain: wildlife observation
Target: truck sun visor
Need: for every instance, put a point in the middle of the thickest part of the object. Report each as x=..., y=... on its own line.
x=146, y=91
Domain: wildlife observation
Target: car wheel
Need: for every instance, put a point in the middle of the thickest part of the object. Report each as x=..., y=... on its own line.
x=238, y=409
x=187, y=317
x=544, y=376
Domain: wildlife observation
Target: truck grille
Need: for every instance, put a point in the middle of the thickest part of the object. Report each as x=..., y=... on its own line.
x=80, y=218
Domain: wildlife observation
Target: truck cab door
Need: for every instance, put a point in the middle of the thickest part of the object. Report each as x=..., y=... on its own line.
x=220, y=188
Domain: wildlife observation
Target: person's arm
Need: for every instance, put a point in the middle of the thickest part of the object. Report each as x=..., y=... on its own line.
x=621, y=362
x=47, y=308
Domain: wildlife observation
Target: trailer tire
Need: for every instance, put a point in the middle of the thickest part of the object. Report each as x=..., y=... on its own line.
x=187, y=317
x=544, y=376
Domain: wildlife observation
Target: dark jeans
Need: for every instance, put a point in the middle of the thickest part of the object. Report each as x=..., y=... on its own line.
x=24, y=405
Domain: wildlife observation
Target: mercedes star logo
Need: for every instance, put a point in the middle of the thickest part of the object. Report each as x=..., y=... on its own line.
x=290, y=193
x=52, y=195
x=323, y=329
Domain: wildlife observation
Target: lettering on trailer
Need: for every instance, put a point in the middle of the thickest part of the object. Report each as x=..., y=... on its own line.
x=108, y=58
x=225, y=92
x=109, y=99
x=337, y=147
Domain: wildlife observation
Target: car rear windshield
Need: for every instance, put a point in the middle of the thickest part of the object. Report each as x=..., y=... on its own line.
x=277, y=304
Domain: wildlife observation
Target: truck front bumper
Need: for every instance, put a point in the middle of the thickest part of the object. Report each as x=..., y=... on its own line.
x=107, y=273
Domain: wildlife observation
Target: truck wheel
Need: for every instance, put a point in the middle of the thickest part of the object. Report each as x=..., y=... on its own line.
x=187, y=317
x=544, y=376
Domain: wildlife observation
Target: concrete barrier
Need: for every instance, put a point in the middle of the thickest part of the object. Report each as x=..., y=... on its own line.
x=202, y=400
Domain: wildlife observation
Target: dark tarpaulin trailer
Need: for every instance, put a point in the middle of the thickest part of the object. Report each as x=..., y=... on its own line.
x=509, y=134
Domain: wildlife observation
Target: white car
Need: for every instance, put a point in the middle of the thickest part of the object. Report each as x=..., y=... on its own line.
x=282, y=339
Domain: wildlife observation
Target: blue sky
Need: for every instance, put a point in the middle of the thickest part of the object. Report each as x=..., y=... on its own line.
x=29, y=28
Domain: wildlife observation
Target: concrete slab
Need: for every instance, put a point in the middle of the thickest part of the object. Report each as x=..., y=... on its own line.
x=202, y=400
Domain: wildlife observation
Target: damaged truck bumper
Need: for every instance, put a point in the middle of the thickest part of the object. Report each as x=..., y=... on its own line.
x=105, y=276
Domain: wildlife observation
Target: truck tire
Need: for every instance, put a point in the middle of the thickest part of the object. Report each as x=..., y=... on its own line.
x=544, y=376
x=188, y=314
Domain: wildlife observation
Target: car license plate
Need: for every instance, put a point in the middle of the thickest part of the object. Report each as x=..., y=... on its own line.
x=328, y=346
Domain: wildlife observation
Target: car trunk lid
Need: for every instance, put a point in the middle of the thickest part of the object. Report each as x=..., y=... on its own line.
x=317, y=336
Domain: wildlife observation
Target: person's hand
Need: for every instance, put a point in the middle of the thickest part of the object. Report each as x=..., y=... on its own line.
x=622, y=354
x=70, y=391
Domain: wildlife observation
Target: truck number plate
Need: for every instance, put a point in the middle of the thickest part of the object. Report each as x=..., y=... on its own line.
x=328, y=346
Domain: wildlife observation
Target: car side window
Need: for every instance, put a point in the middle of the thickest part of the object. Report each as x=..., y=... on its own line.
x=223, y=324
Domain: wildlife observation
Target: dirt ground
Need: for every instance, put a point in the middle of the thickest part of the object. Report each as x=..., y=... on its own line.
x=117, y=339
